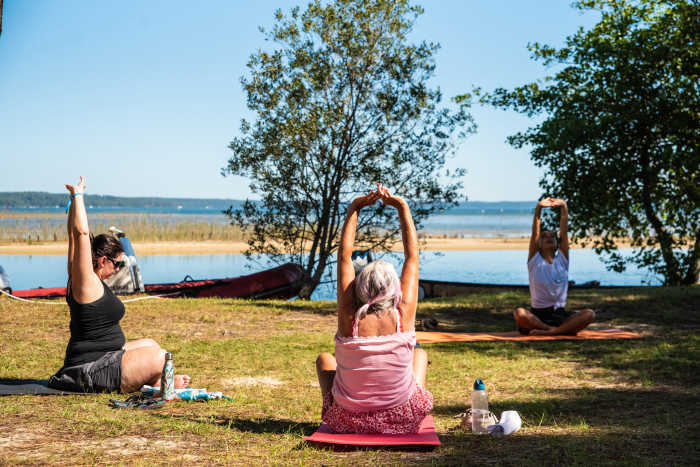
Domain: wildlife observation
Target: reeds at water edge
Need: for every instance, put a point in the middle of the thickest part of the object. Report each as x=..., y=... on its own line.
x=39, y=227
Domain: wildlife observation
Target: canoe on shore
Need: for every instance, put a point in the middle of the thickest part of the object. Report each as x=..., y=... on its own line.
x=282, y=282
x=433, y=289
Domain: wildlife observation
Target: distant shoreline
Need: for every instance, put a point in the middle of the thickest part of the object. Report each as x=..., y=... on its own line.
x=220, y=247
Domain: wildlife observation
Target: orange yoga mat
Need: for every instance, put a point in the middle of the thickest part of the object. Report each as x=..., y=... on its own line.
x=435, y=337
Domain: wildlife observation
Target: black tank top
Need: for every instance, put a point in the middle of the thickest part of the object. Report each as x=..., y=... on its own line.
x=94, y=328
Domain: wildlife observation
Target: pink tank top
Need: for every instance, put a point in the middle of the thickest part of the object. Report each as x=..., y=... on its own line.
x=374, y=373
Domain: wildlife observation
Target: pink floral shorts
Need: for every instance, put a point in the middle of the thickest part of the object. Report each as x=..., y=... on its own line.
x=403, y=419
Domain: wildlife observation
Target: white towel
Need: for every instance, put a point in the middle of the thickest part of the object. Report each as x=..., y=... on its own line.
x=510, y=423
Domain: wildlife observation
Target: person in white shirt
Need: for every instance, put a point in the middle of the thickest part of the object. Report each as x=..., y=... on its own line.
x=549, y=281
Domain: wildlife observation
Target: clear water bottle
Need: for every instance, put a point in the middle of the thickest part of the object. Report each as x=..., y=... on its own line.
x=167, y=379
x=480, y=408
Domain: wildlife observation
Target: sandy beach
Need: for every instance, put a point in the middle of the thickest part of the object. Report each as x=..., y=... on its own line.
x=212, y=248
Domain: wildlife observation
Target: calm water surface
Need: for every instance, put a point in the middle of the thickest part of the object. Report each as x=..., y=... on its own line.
x=491, y=267
x=471, y=219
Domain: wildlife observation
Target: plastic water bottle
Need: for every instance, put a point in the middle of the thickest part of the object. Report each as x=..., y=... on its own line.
x=480, y=408
x=167, y=379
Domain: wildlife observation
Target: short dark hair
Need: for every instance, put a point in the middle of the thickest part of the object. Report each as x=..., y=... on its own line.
x=104, y=245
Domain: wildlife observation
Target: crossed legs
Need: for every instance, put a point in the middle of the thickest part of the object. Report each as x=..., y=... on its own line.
x=571, y=325
x=326, y=365
x=142, y=363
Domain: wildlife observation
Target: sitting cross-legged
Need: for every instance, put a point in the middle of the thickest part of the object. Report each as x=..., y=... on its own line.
x=376, y=381
x=549, y=281
x=98, y=358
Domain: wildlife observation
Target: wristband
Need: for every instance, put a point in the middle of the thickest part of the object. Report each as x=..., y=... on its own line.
x=71, y=200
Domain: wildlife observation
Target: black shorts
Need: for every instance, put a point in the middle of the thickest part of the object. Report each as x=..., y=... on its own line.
x=549, y=316
x=102, y=375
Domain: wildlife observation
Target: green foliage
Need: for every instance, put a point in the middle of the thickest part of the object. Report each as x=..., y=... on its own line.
x=341, y=105
x=621, y=137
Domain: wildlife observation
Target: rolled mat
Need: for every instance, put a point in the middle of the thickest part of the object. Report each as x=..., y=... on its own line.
x=436, y=337
x=32, y=386
x=426, y=438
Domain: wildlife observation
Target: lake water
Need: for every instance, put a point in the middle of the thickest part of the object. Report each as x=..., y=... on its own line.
x=470, y=219
x=492, y=267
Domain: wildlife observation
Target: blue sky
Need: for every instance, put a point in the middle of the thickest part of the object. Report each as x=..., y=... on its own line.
x=142, y=97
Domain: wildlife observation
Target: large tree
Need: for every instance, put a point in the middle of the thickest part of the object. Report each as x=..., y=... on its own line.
x=342, y=104
x=620, y=140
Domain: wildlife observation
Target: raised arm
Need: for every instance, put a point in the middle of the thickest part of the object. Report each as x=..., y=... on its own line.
x=409, y=273
x=85, y=285
x=563, y=226
x=536, y=220
x=71, y=244
x=346, y=272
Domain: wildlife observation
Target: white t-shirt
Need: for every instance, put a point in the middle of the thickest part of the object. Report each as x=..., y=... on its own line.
x=549, y=283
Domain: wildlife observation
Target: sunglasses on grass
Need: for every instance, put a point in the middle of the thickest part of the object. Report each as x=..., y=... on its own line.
x=117, y=264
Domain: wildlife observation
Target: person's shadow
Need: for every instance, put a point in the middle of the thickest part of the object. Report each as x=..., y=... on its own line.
x=260, y=425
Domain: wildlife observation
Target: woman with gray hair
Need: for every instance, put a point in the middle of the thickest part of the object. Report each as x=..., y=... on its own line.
x=376, y=381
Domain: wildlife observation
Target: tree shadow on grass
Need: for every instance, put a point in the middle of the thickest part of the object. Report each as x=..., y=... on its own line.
x=658, y=410
x=318, y=308
x=649, y=361
x=527, y=448
x=587, y=426
x=266, y=425
x=672, y=308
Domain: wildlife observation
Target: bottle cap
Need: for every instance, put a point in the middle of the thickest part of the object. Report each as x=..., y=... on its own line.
x=168, y=356
x=478, y=385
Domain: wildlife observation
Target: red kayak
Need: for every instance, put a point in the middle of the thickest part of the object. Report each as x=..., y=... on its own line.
x=56, y=292
x=281, y=282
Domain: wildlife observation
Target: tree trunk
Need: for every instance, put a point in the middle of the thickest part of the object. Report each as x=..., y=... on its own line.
x=306, y=291
x=665, y=239
x=0, y=17
x=312, y=282
x=692, y=275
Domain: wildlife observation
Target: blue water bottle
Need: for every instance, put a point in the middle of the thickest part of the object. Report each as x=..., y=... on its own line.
x=167, y=379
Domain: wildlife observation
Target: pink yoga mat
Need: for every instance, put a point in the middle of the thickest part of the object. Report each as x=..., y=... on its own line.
x=426, y=436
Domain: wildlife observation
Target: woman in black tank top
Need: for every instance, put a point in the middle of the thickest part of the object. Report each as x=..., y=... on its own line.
x=94, y=328
x=98, y=358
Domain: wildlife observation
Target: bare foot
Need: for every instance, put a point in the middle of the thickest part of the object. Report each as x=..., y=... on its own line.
x=543, y=332
x=181, y=381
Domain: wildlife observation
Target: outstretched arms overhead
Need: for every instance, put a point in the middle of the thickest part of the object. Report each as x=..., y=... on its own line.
x=346, y=272
x=536, y=220
x=409, y=273
x=85, y=286
x=563, y=226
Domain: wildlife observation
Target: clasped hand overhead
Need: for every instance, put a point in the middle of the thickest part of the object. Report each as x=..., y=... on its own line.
x=373, y=196
x=551, y=203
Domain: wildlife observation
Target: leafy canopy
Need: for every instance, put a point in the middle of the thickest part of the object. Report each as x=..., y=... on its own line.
x=621, y=136
x=341, y=105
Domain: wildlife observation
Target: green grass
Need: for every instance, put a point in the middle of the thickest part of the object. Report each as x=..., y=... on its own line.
x=626, y=402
